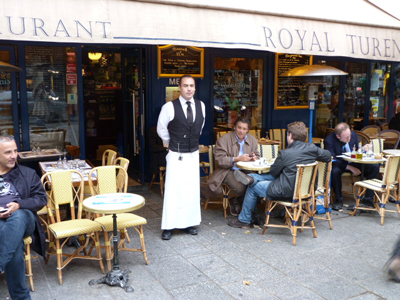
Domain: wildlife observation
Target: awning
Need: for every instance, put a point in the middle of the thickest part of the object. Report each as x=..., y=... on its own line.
x=351, y=28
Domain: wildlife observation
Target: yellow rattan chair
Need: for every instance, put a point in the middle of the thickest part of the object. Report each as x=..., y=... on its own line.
x=28, y=261
x=278, y=134
x=300, y=206
x=322, y=194
x=382, y=189
x=114, y=179
x=270, y=152
x=109, y=157
x=66, y=187
x=225, y=188
x=161, y=183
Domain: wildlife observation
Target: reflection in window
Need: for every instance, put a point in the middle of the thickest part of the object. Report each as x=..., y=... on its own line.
x=52, y=93
x=380, y=77
x=238, y=90
x=6, y=108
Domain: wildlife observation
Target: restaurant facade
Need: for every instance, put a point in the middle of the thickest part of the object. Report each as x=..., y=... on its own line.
x=96, y=73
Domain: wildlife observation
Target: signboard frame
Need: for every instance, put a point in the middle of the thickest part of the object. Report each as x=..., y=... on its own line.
x=163, y=70
x=277, y=85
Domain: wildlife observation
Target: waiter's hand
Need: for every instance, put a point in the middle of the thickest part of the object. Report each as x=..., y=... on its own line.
x=353, y=170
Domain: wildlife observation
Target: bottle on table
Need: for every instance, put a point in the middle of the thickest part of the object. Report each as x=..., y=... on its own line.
x=359, y=154
x=354, y=152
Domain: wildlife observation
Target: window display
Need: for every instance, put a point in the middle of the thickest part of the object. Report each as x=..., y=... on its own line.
x=238, y=90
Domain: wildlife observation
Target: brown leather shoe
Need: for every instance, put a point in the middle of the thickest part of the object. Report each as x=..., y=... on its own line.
x=237, y=224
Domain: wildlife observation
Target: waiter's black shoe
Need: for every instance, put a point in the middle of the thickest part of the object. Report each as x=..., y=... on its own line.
x=166, y=234
x=338, y=205
x=191, y=230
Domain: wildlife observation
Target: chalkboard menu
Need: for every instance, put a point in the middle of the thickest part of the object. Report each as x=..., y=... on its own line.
x=175, y=61
x=290, y=91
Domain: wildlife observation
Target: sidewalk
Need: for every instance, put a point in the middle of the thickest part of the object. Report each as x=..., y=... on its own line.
x=222, y=262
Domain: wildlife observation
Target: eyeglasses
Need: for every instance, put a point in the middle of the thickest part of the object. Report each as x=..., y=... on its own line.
x=1, y=182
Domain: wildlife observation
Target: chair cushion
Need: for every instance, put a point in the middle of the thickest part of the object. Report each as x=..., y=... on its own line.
x=74, y=227
x=373, y=184
x=124, y=220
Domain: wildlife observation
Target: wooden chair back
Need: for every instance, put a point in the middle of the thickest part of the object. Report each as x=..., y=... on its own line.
x=73, y=150
x=64, y=187
x=305, y=182
x=256, y=133
x=384, y=126
x=362, y=137
x=391, y=173
x=377, y=145
x=268, y=151
x=391, y=136
x=278, y=134
x=109, y=157
x=371, y=130
x=211, y=158
x=110, y=179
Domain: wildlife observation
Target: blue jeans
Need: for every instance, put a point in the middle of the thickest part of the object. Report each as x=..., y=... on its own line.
x=13, y=230
x=257, y=189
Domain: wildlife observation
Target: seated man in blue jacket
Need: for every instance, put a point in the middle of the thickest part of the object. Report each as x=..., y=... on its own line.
x=21, y=196
x=279, y=182
x=343, y=140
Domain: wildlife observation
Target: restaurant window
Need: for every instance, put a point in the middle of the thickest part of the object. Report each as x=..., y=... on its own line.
x=396, y=102
x=238, y=90
x=380, y=78
x=327, y=101
x=6, y=107
x=51, y=79
x=354, y=98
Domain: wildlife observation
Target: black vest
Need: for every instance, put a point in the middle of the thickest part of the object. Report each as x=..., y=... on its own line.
x=181, y=132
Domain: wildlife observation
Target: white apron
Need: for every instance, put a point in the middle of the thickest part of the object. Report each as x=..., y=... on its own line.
x=182, y=191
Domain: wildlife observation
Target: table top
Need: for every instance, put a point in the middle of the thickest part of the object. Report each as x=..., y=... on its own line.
x=391, y=151
x=252, y=166
x=264, y=141
x=51, y=166
x=43, y=153
x=114, y=203
x=363, y=161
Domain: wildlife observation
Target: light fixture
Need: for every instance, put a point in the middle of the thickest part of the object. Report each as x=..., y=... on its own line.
x=5, y=67
x=95, y=55
x=314, y=70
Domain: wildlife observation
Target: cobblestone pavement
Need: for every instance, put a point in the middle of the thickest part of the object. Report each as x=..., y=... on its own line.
x=222, y=262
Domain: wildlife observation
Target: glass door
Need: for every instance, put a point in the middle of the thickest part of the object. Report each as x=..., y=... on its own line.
x=8, y=96
x=134, y=112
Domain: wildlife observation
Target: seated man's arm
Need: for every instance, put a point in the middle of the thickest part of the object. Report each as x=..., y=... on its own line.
x=225, y=157
x=37, y=195
x=277, y=166
x=338, y=161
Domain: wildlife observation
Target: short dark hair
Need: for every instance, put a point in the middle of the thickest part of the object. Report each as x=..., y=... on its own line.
x=186, y=76
x=6, y=138
x=242, y=120
x=298, y=131
x=341, y=127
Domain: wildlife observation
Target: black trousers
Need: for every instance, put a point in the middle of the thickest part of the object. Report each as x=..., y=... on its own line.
x=371, y=171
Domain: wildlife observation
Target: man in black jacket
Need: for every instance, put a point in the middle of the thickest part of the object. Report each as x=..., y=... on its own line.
x=344, y=140
x=279, y=183
x=21, y=196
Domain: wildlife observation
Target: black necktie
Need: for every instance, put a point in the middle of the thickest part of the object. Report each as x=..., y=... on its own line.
x=189, y=115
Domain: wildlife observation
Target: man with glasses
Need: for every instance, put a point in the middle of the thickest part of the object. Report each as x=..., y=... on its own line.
x=21, y=196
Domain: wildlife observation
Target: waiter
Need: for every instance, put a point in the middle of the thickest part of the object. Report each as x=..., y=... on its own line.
x=179, y=125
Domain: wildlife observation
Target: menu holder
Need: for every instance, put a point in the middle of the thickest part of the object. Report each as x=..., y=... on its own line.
x=290, y=91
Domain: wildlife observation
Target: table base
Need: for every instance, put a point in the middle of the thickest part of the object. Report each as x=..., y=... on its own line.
x=115, y=277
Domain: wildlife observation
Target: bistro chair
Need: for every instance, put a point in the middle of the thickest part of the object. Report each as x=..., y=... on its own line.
x=73, y=151
x=225, y=188
x=221, y=134
x=109, y=157
x=256, y=133
x=377, y=148
x=382, y=189
x=300, y=206
x=28, y=262
x=270, y=152
x=371, y=130
x=114, y=179
x=66, y=187
x=278, y=134
x=391, y=136
x=363, y=138
x=384, y=126
x=322, y=193
x=161, y=182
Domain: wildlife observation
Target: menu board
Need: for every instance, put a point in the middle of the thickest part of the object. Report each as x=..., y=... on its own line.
x=290, y=91
x=175, y=61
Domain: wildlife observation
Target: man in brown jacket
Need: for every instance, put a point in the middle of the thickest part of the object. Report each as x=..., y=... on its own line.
x=231, y=148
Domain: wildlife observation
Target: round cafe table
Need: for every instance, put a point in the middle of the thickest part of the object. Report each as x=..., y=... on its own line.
x=391, y=151
x=114, y=204
x=363, y=162
x=252, y=166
